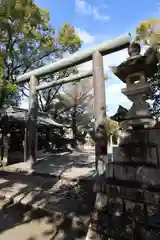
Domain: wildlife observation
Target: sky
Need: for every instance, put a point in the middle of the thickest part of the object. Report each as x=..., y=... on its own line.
x=97, y=21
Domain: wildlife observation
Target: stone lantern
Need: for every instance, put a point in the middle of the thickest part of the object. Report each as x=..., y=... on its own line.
x=135, y=72
x=135, y=171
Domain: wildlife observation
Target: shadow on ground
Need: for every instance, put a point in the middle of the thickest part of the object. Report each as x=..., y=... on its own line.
x=71, y=166
x=70, y=204
x=19, y=222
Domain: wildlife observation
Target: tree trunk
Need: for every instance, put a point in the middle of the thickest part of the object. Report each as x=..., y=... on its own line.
x=74, y=128
x=2, y=97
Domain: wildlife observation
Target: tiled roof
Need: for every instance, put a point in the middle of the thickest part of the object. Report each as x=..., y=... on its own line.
x=20, y=114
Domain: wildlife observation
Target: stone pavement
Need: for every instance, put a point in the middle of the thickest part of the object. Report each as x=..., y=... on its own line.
x=17, y=224
x=47, y=193
x=70, y=166
x=22, y=223
x=65, y=193
x=63, y=198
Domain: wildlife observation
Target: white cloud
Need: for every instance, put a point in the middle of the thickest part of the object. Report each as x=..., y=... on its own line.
x=113, y=59
x=98, y=16
x=112, y=91
x=157, y=11
x=83, y=6
x=86, y=8
x=85, y=36
x=114, y=97
x=89, y=39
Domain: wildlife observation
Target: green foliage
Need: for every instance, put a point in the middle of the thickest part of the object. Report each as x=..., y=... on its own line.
x=27, y=40
x=106, y=77
x=68, y=38
x=155, y=96
x=149, y=30
x=112, y=128
x=7, y=86
x=10, y=87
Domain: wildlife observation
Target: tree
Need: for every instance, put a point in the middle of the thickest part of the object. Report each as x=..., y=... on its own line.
x=7, y=90
x=66, y=42
x=47, y=96
x=28, y=41
x=112, y=128
x=74, y=106
x=155, y=97
x=149, y=33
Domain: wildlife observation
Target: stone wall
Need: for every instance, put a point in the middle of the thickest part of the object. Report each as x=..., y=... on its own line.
x=141, y=165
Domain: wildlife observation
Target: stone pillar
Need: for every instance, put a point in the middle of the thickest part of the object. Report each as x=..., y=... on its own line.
x=5, y=140
x=32, y=121
x=100, y=113
x=25, y=139
x=5, y=149
x=100, y=145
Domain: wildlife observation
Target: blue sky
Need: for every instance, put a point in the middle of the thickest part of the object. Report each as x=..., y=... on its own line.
x=100, y=20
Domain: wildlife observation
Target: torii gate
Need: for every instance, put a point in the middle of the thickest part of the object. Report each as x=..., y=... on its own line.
x=96, y=55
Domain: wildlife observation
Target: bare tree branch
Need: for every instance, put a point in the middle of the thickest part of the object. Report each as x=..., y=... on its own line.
x=40, y=101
